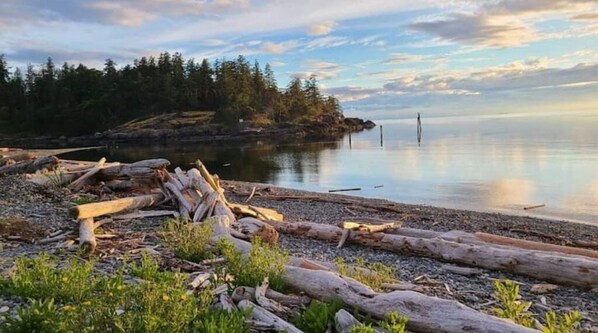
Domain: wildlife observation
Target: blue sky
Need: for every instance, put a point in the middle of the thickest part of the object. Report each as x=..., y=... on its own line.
x=381, y=58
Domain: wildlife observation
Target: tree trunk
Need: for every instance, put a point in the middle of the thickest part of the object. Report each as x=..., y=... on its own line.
x=87, y=239
x=261, y=314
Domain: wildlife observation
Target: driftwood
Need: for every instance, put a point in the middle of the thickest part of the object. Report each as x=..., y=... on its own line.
x=531, y=245
x=426, y=314
x=144, y=214
x=257, y=212
x=549, y=266
x=252, y=227
x=344, y=321
x=80, y=182
x=17, y=157
x=114, y=206
x=263, y=315
x=268, y=304
x=248, y=293
x=87, y=239
x=30, y=166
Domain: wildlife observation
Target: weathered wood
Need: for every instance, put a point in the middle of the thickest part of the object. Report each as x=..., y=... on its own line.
x=145, y=214
x=81, y=181
x=17, y=157
x=201, y=280
x=268, y=304
x=30, y=166
x=467, y=271
x=287, y=300
x=226, y=302
x=181, y=199
x=255, y=228
x=426, y=314
x=531, y=245
x=368, y=227
x=344, y=321
x=207, y=203
x=261, y=314
x=256, y=212
x=549, y=266
x=114, y=206
x=137, y=169
x=87, y=239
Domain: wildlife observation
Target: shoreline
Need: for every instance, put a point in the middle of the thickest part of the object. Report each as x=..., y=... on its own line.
x=45, y=210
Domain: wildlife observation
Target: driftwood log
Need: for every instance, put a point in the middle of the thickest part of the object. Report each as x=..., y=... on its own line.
x=114, y=206
x=426, y=314
x=30, y=166
x=550, y=266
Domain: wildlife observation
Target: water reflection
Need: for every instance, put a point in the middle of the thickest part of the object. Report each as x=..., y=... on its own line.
x=474, y=163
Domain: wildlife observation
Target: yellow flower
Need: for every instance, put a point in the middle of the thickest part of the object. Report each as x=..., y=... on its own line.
x=166, y=298
x=110, y=294
x=87, y=303
x=119, y=288
x=68, y=308
x=65, y=279
x=184, y=297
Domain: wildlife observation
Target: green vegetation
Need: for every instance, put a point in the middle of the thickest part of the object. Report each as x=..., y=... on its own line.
x=507, y=294
x=187, y=240
x=318, y=316
x=566, y=323
x=73, y=299
x=264, y=260
x=77, y=100
x=371, y=274
x=83, y=199
x=393, y=323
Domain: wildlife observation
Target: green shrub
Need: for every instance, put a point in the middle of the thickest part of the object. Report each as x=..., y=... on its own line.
x=187, y=240
x=371, y=274
x=318, y=316
x=567, y=323
x=394, y=322
x=362, y=328
x=264, y=260
x=96, y=304
x=507, y=294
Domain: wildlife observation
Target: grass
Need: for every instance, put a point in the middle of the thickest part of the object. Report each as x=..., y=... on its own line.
x=317, y=317
x=83, y=199
x=264, y=260
x=72, y=298
x=187, y=240
x=371, y=274
x=509, y=307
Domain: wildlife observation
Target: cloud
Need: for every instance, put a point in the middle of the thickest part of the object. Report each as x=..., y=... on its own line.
x=122, y=13
x=592, y=16
x=320, y=69
x=319, y=29
x=270, y=47
x=477, y=29
x=403, y=58
x=533, y=7
x=351, y=93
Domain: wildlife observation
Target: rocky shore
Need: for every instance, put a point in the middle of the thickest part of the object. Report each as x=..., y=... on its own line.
x=30, y=212
x=175, y=128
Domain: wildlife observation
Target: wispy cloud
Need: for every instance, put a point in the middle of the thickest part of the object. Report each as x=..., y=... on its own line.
x=319, y=29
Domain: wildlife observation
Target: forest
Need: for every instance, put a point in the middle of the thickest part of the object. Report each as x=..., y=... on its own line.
x=78, y=100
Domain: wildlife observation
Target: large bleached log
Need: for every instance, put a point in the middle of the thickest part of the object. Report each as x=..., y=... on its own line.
x=30, y=166
x=531, y=245
x=114, y=206
x=205, y=205
x=548, y=266
x=426, y=314
x=261, y=314
x=368, y=227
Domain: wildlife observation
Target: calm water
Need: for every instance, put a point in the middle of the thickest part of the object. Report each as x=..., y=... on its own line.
x=492, y=163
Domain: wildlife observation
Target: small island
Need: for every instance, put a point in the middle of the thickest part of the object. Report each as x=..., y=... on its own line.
x=166, y=98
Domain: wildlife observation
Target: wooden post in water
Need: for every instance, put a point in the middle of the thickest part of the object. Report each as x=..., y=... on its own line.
x=381, y=136
x=419, y=129
x=349, y=140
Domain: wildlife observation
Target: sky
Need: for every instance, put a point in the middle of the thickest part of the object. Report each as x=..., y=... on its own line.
x=382, y=58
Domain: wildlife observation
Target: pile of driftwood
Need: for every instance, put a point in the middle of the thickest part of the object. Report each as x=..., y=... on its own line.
x=196, y=194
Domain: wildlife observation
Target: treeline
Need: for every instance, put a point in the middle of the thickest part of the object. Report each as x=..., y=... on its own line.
x=75, y=100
